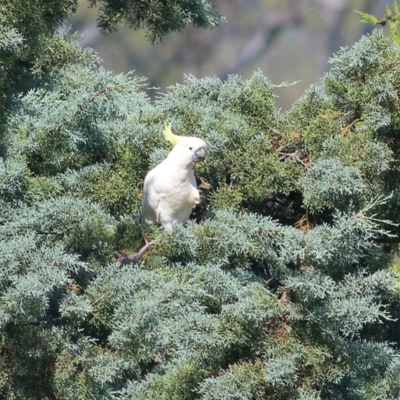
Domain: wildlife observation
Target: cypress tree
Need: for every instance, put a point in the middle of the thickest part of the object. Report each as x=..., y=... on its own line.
x=279, y=287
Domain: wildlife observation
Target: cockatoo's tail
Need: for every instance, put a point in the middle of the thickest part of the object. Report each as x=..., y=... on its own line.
x=169, y=136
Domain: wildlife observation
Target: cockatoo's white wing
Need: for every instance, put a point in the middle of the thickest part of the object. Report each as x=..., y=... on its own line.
x=150, y=198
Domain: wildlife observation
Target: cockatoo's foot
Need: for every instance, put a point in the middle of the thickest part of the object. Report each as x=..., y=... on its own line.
x=135, y=257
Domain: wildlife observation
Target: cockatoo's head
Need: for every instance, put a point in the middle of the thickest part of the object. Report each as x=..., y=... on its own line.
x=189, y=149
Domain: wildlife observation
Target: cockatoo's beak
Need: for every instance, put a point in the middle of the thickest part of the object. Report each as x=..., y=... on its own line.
x=199, y=155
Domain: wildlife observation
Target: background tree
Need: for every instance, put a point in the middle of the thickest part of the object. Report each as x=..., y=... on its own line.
x=288, y=40
x=280, y=287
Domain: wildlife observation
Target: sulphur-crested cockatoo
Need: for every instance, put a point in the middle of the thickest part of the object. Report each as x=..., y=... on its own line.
x=170, y=189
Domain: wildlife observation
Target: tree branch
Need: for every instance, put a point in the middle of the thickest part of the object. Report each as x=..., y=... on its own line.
x=274, y=24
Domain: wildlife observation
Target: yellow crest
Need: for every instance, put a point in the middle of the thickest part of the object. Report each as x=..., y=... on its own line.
x=169, y=136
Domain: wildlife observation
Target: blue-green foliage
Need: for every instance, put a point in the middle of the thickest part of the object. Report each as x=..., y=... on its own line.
x=280, y=285
x=330, y=184
x=364, y=81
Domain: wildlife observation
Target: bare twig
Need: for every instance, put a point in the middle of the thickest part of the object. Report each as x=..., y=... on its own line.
x=204, y=184
x=298, y=156
x=274, y=24
x=135, y=257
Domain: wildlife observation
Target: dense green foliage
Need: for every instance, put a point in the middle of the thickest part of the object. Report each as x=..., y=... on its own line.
x=278, y=288
x=158, y=17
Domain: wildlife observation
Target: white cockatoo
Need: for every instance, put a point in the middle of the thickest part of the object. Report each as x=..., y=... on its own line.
x=170, y=189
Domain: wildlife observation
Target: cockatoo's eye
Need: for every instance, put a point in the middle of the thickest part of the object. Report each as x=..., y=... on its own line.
x=190, y=148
